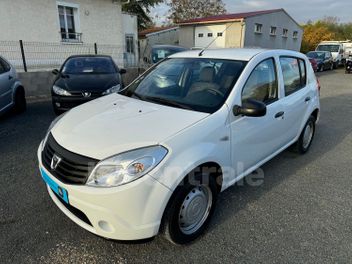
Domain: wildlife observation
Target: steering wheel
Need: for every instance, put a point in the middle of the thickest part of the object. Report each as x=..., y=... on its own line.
x=214, y=91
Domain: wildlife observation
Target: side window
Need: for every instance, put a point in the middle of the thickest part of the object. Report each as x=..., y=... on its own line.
x=303, y=69
x=262, y=84
x=291, y=73
x=2, y=67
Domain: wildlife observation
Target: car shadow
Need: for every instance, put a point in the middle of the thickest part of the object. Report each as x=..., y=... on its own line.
x=331, y=130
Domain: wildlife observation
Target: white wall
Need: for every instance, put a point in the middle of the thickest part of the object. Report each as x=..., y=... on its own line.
x=37, y=20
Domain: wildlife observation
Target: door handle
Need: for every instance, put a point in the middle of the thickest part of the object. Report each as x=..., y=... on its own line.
x=279, y=114
x=10, y=77
x=307, y=99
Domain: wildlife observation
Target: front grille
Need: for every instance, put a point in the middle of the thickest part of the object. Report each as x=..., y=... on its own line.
x=72, y=169
x=76, y=212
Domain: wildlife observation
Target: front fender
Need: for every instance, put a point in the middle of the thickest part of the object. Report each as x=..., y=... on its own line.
x=206, y=141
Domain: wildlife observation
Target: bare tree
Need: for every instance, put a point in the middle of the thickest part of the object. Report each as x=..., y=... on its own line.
x=181, y=10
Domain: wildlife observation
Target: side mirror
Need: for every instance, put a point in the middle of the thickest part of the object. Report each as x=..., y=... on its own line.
x=123, y=71
x=250, y=107
x=55, y=72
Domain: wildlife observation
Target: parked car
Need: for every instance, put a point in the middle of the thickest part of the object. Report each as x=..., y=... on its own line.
x=323, y=59
x=83, y=78
x=155, y=156
x=314, y=64
x=12, y=93
x=160, y=52
x=336, y=49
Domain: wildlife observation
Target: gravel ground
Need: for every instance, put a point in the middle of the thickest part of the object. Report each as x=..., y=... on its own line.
x=302, y=213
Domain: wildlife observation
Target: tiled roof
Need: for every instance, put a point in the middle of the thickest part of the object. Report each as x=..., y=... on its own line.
x=227, y=17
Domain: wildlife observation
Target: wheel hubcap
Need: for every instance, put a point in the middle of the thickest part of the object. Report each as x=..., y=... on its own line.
x=308, y=135
x=195, y=209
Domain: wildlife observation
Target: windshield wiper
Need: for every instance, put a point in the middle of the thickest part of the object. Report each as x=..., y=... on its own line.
x=167, y=102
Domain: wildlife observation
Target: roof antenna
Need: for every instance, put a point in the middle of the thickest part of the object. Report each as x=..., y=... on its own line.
x=204, y=49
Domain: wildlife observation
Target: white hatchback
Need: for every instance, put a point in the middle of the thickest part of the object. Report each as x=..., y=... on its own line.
x=154, y=157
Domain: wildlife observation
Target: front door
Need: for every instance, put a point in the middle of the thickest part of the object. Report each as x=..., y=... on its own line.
x=255, y=138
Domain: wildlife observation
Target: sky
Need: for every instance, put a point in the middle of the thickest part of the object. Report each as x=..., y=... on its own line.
x=300, y=10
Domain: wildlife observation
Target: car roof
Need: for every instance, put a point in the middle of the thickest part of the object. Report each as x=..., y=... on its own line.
x=168, y=46
x=89, y=56
x=240, y=54
x=232, y=54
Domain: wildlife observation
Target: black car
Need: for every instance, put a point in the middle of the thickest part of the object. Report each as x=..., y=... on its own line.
x=84, y=78
x=323, y=59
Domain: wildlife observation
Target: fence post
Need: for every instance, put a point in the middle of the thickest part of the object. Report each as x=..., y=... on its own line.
x=23, y=56
x=96, y=48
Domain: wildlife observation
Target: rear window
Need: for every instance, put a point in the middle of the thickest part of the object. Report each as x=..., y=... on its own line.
x=294, y=73
x=89, y=65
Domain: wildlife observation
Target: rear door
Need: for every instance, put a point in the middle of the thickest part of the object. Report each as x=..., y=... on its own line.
x=6, y=82
x=297, y=98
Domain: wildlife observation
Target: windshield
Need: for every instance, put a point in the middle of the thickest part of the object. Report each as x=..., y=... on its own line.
x=89, y=65
x=331, y=48
x=316, y=55
x=190, y=83
x=159, y=54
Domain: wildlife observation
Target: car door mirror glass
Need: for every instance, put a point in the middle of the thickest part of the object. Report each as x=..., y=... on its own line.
x=55, y=72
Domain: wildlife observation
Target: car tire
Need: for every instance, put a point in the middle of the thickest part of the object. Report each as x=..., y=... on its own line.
x=189, y=211
x=306, y=138
x=20, y=103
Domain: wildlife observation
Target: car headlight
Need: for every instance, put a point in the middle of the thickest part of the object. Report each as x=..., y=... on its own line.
x=113, y=89
x=126, y=167
x=53, y=123
x=59, y=91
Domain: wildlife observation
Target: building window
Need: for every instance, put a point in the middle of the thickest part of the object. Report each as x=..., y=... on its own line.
x=285, y=32
x=68, y=24
x=258, y=28
x=273, y=31
x=200, y=35
x=220, y=34
x=129, y=44
x=210, y=35
x=295, y=34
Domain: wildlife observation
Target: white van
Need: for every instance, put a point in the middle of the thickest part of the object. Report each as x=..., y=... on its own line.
x=153, y=157
x=336, y=49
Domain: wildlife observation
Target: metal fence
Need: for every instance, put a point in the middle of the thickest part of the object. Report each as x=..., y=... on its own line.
x=42, y=56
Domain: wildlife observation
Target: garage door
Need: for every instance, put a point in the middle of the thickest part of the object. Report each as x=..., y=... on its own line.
x=204, y=35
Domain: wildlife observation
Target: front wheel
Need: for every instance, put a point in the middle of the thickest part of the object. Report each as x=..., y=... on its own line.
x=20, y=101
x=306, y=137
x=189, y=211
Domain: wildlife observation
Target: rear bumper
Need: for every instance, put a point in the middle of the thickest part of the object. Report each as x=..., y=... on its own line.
x=129, y=212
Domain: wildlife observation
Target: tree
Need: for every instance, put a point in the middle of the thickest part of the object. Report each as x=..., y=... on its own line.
x=181, y=10
x=314, y=34
x=142, y=9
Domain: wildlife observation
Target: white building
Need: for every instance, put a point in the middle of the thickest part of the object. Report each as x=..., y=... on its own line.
x=274, y=29
x=70, y=25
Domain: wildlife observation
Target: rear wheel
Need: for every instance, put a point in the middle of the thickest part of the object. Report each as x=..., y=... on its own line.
x=20, y=101
x=189, y=211
x=306, y=138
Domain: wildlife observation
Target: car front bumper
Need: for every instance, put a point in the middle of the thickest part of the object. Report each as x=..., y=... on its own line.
x=129, y=212
x=64, y=103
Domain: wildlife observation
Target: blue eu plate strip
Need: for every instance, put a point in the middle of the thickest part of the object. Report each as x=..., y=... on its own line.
x=61, y=192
